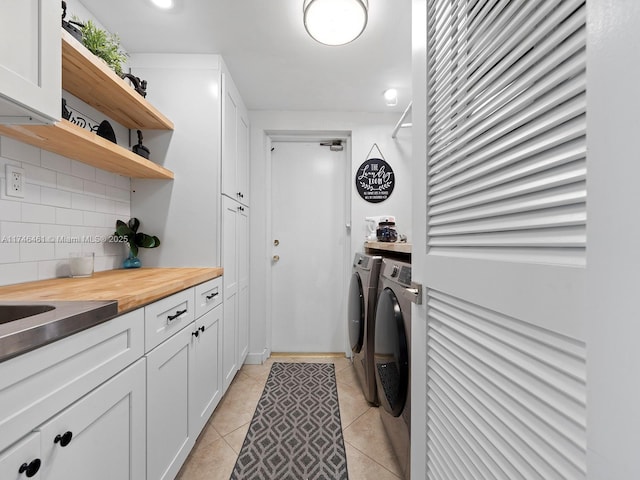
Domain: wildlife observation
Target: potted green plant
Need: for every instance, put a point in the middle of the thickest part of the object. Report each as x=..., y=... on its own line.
x=104, y=45
x=135, y=240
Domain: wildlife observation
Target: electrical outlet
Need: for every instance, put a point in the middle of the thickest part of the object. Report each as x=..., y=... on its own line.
x=14, y=186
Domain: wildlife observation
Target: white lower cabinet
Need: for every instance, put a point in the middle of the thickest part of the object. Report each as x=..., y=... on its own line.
x=184, y=382
x=98, y=405
x=169, y=436
x=101, y=436
x=22, y=459
x=206, y=368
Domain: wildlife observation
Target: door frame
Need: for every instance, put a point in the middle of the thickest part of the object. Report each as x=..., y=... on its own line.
x=306, y=136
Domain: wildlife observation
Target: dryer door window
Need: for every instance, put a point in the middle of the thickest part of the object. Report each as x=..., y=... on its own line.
x=391, y=357
x=356, y=313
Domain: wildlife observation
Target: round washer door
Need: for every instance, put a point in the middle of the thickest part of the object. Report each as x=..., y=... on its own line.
x=356, y=313
x=391, y=354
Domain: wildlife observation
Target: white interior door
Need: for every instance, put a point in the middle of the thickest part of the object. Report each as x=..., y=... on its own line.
x=309, y=238
x=499, y=352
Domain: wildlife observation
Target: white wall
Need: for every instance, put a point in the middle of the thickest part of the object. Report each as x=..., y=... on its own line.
x=68, y=207
x=364, y=129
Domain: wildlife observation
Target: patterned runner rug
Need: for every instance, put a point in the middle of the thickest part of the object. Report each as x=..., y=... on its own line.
x=295, y=433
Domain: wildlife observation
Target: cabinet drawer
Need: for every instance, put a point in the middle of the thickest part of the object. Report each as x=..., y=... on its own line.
x=23, y=452
x=208, y=296
x=168, y=316
x=37, y=385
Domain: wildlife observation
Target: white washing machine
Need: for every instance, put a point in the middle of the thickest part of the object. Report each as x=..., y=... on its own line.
x=392, y=356
x=363, y=290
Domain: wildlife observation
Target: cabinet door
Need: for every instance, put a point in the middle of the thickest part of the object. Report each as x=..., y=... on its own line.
x=235, y=143
x=229, y=138
x=30, y=61
x=169, y=436
x=230, y=215
x=206, y=368
x=242, y=167
x=22, y=460
x=101, y=436
x=243, y=284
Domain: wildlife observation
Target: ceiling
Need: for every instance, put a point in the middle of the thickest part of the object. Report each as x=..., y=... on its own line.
x=274, y=63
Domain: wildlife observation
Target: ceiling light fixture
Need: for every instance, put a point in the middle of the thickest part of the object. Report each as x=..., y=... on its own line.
x=164, y=4
x=335, y=22
x=391, y=97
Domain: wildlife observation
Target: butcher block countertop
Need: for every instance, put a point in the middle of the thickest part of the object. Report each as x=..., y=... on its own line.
x=131, y=288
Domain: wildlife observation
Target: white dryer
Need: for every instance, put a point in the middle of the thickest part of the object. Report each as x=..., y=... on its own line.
x=363, y=290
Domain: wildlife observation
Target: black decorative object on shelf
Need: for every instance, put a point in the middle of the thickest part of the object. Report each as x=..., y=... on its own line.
x=140, y=86
x=69, y=26
x=66, y=113
x=139, y=148
x=105, y=130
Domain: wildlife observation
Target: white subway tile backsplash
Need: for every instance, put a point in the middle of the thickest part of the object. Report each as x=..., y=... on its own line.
x=94, y=219
x=17, y=232
x=35, y=252
x=9, y=252
x=53, y=269
x=94, y=188
x=118, y=194
x=107, y=178
x=67, y=216
x=10, y=211
x=69, y=183
x=56, y=162
x=33, y=213
x=19, y=151
x=83, y=170
x=68, y=207
x=18, y=272
x=55, y=197
x=39, y=176
x=82, y=202
x=104, y=205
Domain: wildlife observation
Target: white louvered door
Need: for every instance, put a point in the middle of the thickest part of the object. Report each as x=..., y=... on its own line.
x=504, y=250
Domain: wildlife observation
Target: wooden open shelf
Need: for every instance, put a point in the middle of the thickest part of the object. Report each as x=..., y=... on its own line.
x=75, y=142
x=90, y=79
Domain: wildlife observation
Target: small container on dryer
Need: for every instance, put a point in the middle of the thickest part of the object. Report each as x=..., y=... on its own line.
x=386, y=232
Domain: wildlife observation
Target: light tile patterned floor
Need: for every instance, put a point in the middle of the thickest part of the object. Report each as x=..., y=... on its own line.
x=369, y=454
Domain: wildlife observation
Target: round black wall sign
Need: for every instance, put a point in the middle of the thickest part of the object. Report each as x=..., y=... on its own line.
x=375, y=180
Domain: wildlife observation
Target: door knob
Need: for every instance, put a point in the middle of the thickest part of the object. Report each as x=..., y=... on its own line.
x=276, y=258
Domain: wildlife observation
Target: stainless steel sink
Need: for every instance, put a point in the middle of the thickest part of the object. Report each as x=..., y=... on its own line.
x=9, y=313
x=25, y=326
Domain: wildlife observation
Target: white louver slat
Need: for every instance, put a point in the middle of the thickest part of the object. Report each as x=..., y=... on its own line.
x=506, y=399
x=506, y=126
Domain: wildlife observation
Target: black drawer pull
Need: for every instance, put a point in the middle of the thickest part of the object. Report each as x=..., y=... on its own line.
x=209, y=297
x=178, y=313
x=201, y=328
x=64, y=439
x=195, y=334
x=30, y=469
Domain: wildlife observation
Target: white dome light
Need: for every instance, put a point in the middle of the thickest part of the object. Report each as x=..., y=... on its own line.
x=335, y=22
x=164, y=4
x=391, y=97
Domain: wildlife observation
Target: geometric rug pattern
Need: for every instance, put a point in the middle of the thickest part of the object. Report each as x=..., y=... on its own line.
x=295, y=433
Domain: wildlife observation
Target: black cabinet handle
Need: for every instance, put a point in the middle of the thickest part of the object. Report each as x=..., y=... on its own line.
x=201, y=328
x=209, y=297
x=64, y=439
x=195, y=334
x=178, y=313
x=30, y=469
x=239, y=194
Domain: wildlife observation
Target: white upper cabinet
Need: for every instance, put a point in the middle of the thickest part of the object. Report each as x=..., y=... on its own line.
x=235, y=143
x=30, y=61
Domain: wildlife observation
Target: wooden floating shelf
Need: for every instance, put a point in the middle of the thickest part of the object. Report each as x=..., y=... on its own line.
x=90, y=79
x=72, y=141
x=398, y=247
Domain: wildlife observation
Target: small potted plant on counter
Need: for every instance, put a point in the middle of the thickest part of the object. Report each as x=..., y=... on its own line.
x=135, y=240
